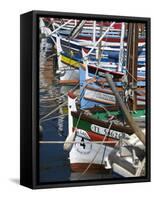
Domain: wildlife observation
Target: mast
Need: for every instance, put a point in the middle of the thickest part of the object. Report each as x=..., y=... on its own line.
x=98, y=54
x=121, y=53
x=77, y=29
x=94, y=32
x=132, y=57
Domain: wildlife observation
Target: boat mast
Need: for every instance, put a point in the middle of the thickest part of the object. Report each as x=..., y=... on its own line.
x=94, y=32
x=121, y=53
x=132, y=58
x=77, y=29
x=98, y=54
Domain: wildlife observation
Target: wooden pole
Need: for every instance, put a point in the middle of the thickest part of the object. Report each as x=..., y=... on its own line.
x=132, y=56
x=128, y=116
x=76, y=30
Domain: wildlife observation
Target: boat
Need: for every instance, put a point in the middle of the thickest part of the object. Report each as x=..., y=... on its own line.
x=72, y=52
x=83, y=151
x=128, y=158
x=96, y=91
x=68, y=59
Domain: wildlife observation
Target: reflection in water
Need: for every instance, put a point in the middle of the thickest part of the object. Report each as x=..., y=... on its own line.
x=54, y=162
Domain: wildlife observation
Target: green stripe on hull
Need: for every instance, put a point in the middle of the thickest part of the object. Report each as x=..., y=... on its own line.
x=138, y=113
x=85, y=125
x=105, y=115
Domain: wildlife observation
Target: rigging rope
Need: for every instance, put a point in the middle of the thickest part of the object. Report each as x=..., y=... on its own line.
x=53, y=111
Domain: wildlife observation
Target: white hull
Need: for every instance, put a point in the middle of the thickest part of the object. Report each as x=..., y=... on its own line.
x=127, y=162
x=86, y=152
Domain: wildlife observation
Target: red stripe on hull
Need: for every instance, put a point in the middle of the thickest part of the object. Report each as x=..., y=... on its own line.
x=94, y=168
x=96, y=137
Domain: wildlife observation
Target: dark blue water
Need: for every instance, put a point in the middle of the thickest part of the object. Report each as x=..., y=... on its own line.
x=54, y=162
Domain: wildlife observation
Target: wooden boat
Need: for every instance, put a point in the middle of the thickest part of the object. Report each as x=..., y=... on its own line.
x=76, y=63
x=72, y=51
x=95, y=90
x=89, y=127
x=72, y=61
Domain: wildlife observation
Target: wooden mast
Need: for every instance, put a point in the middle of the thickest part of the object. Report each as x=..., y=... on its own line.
x=100, y=45
x=132, y=57
x=77, y=29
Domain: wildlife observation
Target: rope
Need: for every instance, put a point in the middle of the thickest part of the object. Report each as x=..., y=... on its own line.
x=52, y=111
x=131, y=75
x=78, y=120
x=108, y=112
x=54, y=117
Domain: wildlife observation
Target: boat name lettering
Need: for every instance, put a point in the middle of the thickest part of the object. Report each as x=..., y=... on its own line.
x=105, y=131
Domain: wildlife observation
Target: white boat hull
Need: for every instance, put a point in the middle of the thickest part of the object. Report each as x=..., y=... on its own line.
x=88, y=155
